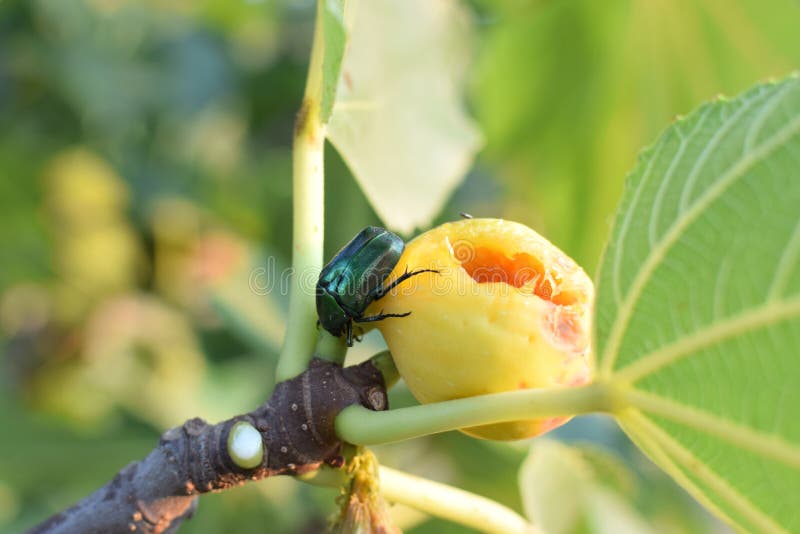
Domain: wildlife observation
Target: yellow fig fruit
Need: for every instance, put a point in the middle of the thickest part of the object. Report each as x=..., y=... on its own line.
x=506, y=310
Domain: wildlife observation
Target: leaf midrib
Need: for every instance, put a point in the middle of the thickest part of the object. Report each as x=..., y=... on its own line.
x=771, y=446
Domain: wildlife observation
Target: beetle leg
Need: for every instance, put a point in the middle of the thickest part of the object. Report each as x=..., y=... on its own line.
x=382, y=291
x=380, y=317
x=349, y=333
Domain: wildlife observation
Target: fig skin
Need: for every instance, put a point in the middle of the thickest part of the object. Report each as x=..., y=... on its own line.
x=507, y=310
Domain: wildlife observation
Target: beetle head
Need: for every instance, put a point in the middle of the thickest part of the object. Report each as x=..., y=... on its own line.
x=331, y=315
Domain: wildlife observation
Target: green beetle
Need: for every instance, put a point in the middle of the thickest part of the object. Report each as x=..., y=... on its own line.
x=355, y=278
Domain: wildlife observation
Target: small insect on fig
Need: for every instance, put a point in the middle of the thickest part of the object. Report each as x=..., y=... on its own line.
x=355, y=278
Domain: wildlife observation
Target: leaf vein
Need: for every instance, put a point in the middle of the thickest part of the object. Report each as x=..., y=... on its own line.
x=657, y=254
x=721, y=486
x=723, y=276
x=758, y=121
x=699, y=164
x=770, y=446
x=623, y=231
x=631, y=424
x=766, y=314
x=783, y=271
x=659, y=199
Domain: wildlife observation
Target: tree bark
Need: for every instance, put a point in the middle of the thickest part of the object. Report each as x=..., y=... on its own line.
x=156, y=494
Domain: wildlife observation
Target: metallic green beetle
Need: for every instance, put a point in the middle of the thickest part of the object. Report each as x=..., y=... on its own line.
x=354, y=279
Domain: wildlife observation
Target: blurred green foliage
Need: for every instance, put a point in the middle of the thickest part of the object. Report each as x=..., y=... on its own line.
x=145, y=173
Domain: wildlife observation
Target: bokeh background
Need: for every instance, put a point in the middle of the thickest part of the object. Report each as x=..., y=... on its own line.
x=145, y=176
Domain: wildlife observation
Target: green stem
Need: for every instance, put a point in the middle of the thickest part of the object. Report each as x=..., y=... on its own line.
x=361, y=426
x=451, y=503
x=330, y=348
x=384, y=362
x=308, y=209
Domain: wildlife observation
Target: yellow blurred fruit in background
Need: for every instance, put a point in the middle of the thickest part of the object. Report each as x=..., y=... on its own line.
x=96, y=250
x=507, y=310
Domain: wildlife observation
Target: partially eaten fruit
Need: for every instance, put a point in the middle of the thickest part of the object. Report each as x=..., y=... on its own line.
x=507, y=310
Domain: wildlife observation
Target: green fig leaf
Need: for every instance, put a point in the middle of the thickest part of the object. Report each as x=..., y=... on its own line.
x=698, y=306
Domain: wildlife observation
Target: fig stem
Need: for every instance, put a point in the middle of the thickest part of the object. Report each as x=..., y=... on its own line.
x=361, y=426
